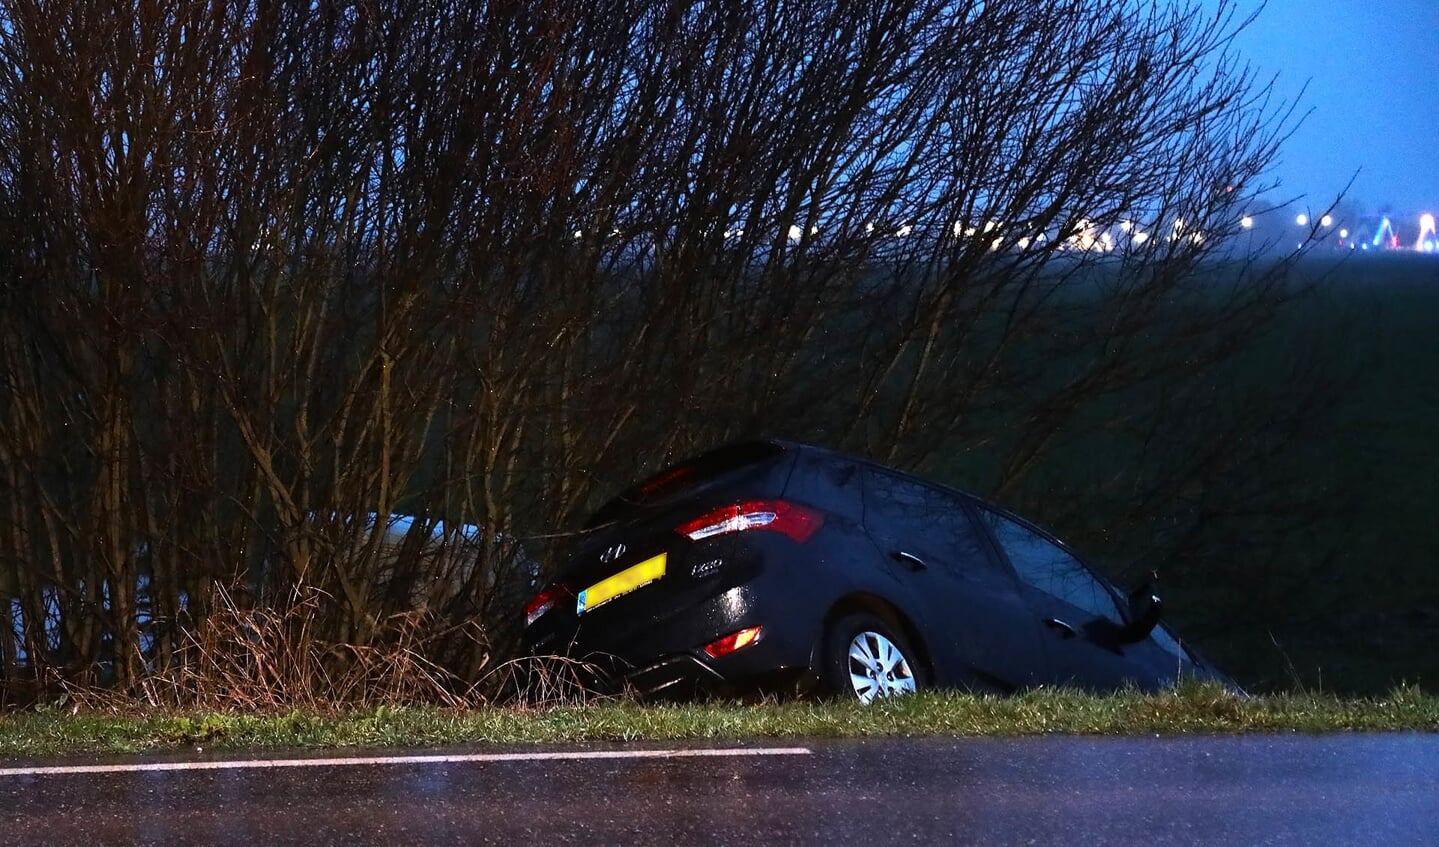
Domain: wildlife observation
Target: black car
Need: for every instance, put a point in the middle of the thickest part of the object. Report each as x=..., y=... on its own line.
x=771, y=561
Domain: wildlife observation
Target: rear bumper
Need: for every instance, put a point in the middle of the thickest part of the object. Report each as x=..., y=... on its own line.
x=685, y=674
x=667, y=655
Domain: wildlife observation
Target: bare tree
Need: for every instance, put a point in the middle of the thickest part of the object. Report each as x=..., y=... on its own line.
x=276, y=272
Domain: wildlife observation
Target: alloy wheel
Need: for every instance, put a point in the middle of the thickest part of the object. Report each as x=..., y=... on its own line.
x=878, y=668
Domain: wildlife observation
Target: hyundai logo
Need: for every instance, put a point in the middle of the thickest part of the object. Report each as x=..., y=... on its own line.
x=612, y=553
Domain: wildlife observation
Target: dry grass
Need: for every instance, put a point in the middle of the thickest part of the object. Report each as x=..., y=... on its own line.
x=270, y=659
x=547, y=682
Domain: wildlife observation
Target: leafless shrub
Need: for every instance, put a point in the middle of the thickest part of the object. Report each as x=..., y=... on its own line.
x=273, y=272
x=269, y=658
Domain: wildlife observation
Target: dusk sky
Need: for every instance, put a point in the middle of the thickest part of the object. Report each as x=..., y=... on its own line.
x=1373, y=74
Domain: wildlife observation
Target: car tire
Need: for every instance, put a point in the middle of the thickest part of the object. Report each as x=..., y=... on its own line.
x=865, y=658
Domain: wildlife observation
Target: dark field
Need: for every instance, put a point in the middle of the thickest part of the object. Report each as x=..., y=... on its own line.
x=1356, y=607
x=1319, y=572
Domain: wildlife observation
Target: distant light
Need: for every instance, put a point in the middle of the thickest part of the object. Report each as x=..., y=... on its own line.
x=1302, y=220
x=795, y=233
x=1384, y=234
x=1246, y=222
x=1083, y=235
x=1343, y=233
x=1327, y=220
x=904, y=231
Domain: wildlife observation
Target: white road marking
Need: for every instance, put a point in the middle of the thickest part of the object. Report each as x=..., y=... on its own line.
x=241, y=764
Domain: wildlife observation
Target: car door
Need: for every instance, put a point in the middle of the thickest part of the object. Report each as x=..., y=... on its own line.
x=969, y=606
x=1079, y=613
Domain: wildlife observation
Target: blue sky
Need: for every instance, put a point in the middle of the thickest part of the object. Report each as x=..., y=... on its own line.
x=1373, y=75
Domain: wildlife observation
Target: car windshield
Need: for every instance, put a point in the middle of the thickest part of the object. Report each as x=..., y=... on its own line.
x=684, y=477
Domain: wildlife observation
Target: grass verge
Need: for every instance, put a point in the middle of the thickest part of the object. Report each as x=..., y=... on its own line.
x=55, y=730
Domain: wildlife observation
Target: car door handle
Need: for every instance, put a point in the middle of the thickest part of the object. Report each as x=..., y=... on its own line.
x=1063, y=629
x=910, y=560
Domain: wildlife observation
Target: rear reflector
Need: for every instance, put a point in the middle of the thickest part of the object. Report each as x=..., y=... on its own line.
x=797, y=522
x=544, y=601
x=732, y=642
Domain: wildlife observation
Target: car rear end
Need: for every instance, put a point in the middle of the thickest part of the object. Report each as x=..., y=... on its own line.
x=689, y=578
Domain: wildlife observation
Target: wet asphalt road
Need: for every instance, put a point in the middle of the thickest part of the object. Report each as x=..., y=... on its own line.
x=1355, y=789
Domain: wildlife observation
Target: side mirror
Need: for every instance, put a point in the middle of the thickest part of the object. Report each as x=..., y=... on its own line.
x=1145, y=609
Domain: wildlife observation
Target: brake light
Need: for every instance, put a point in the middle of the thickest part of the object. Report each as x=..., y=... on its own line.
x=544, y=601
x=665, y=480
x=797, y=522
x=732, y=642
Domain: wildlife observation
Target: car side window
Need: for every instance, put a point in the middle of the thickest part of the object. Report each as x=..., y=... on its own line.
x=933, y=522
x=1050, y=568
x=829, y=483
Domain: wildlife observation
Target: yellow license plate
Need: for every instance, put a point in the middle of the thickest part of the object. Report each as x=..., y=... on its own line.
x=623, y=582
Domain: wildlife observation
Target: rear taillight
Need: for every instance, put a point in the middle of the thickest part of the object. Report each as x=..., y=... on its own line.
x=732, y=642
x=546, y=600
x=797, y=522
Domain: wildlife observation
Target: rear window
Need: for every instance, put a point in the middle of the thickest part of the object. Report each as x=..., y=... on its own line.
x=687, y=476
